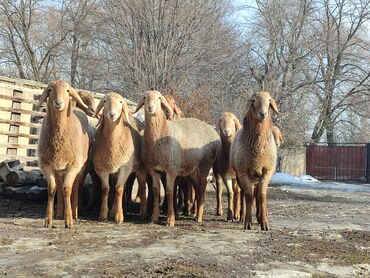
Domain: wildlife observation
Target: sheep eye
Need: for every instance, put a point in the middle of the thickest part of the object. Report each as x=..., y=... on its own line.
x=68, y=91
x=105, y=101
x=160, y=97
x=144, y=97
x=121, y=101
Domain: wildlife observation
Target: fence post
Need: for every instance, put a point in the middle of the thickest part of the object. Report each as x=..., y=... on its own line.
x=368, y=162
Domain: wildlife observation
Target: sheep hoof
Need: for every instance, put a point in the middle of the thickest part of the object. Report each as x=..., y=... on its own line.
x=219, y=213
x=171, y=223
x=48, y=224
x=118, y=218
x=248, y=225
x=68, y=225
x=264, y=227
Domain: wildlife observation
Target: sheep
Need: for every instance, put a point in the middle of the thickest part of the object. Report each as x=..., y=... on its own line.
x=228, y=124
x=185, y=147
x=58, y=153
x=253, y=155
x=117, y=149
x=175, y=109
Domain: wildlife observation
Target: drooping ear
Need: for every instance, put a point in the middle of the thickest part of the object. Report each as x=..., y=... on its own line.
x=125, y=111
x=99, y=107
x=250, y=103
x=100, y=121
x=77, y=98
x=218, y=125
x=140, y=104
x=273, y=106
x=43, y=97
x=237, y=124
x=177, y=111
x=166, y=108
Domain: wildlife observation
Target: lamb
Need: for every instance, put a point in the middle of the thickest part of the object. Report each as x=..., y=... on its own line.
x=185, y=147
x=117, y=149
x=228, y=124
x=253, y=155
x=175, y=109
x=58, y=154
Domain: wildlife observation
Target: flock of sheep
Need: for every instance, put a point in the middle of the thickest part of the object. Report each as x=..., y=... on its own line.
x=113, y=146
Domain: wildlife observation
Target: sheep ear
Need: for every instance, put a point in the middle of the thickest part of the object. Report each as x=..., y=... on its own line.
x=249, y=104
x=140, y=104
x=273, y=106
x=77, y=98
x=237, y=124
x=100, y=121
x=125, y=111
x=218, y=125
x=43, y=97
x=98, y=108
x=166, y=107
x=177, y=111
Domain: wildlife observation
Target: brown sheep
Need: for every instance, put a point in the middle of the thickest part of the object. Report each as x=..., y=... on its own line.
x=228, y=124
x=117, y=149
x=185, y=147
x=61, y=159
x=253, y=155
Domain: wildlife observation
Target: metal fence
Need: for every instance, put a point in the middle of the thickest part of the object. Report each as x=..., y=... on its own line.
x=338, y=162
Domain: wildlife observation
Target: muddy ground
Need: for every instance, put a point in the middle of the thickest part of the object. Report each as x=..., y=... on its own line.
x=312, y=234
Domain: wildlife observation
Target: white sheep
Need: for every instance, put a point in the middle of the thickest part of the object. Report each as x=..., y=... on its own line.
x=185, y=147
x=63, y=147
x=117, y=149
x=253, y=155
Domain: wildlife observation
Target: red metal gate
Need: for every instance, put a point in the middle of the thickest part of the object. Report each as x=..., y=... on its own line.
x=338, y=162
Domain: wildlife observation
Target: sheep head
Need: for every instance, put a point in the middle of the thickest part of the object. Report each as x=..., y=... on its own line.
x=153, y=103
x=260, y=104
x=89, y=100
x=58, y=93
x=114, y=106
x=175, y=109
x=228, y=125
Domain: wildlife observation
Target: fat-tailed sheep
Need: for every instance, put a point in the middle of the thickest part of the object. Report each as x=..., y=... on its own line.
x=185, y=147
x=253, y=155
x=228, y=124
x=61, y=159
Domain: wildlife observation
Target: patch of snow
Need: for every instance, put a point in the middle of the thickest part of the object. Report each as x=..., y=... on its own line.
x=289, y=179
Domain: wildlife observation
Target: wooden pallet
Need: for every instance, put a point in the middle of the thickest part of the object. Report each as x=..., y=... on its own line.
x=20, y=122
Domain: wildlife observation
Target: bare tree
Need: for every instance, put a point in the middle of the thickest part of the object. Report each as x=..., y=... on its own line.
x=31, y=37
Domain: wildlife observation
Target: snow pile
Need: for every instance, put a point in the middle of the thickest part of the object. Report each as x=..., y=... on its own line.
x=289, y=179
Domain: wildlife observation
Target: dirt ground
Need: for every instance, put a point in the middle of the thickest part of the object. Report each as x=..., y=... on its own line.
x=312, y=234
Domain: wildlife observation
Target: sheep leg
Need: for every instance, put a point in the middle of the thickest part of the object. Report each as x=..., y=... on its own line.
x=67, y=191
x=104, y=177
x=155, y=188
x=219, y=192
x=262, y=194
x=242, y=206
x=230, y=197
x=141, y=178
x=95, y=191
x=75, y=194
x=60, y=200
x=257, y=204
x=200, y=195
x=50, y=178
x=170, y=184
x=247, y=188
x=120, y=189
x=236, y=190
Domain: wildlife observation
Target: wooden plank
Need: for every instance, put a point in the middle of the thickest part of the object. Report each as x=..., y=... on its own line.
x=21, y=158
x=20, y=99
x=22, y=111
x=19, y=146
x=17, y=134
x=22, y=82
x=2, y=121
x=30, y=168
